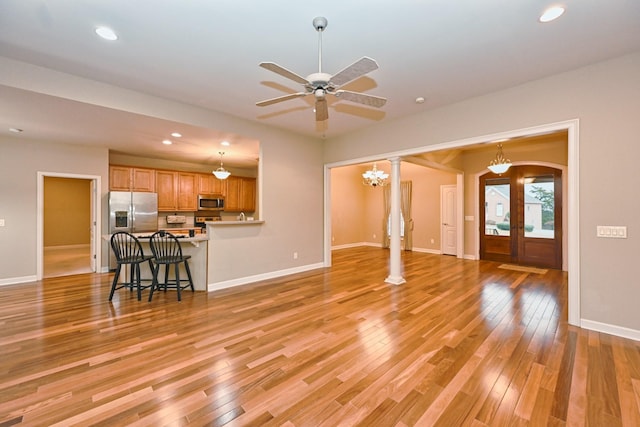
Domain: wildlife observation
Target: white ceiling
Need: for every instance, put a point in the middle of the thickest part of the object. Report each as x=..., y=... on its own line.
x=206, y=53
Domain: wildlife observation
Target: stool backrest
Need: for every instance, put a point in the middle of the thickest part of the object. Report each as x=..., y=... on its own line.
x=126, y=246
x=165, y=245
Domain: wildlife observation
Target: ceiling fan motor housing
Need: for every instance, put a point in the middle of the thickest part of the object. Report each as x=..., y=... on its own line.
x=319, y=81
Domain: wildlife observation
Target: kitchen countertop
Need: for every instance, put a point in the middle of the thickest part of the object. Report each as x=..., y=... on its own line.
x=195, y=240
x=246, y=222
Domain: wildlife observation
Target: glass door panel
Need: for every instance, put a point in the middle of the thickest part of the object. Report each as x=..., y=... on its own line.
x=497, y=207
x=539, y=206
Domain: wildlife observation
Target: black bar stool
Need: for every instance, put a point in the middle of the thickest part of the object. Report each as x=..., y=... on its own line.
x=128, y=251
x=167, y=251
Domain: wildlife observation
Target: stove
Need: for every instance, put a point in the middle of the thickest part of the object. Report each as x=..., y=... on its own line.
x=202, y=217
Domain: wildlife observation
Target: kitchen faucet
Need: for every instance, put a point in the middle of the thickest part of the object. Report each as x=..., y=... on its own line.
x=241, y=217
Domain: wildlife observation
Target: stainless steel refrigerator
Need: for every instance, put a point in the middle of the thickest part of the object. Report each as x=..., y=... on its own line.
x=133, y=212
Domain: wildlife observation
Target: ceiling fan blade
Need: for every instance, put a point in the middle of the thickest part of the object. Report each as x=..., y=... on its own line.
x=322, y=111
x=272, y=66
x=280, y=99
x=353, y=71
x=361, y=98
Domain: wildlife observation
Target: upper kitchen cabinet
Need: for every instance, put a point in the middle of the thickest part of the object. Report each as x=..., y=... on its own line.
x=187, y=196
x=176, y=191
x=126, y=178
x=241, y=194
x=209, y=184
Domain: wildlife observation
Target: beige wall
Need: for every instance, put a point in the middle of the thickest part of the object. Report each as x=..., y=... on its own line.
x=67, y=211
x=604, y=98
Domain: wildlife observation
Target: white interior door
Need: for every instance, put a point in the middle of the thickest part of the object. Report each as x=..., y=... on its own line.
x=448, y=231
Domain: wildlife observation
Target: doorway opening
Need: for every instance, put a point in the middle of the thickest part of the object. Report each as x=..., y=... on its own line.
x=67, y=224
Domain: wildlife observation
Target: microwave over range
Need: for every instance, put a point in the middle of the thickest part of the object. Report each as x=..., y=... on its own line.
x=210, y=202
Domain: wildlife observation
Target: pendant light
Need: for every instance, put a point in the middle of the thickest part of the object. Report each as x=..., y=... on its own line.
x=221, y=172
x=500, y=164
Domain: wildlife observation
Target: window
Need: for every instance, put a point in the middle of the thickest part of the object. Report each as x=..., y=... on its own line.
x=401, y=225
x=499, y=210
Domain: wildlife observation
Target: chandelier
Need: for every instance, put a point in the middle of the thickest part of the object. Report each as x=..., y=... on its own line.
x=374, y=177
x=500, y=164
x=221, y=173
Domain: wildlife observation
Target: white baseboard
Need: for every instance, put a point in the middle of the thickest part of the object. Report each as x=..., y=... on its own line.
x=471, y=257
x=619, y=331
x=428, y=251
x=353, y=245
x=259, y=277
x=16, y=280
x=379, y=245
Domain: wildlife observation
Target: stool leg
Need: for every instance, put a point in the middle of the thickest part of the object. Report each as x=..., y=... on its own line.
x=167, y=269
x=138, y=281
x=186, y=267
x=177, y=267
x=154, y=279
x=115, y=281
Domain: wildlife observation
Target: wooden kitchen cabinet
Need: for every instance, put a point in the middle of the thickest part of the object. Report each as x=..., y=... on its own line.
x=187, y=196
x=241, y=194
x=167, y=189
x=126, y=178
x=176, y=191
x=209, y=184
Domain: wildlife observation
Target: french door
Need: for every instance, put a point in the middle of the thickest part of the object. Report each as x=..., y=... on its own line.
x=521, y=221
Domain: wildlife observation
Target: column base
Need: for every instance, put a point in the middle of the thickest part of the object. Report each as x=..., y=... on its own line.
x=399, y=280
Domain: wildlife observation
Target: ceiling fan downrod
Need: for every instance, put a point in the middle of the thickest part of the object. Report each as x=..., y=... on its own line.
x=320, y=23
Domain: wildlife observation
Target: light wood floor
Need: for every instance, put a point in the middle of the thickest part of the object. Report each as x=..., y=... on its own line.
x=461, y=343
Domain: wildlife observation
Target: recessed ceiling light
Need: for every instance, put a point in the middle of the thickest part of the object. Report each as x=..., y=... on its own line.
x=225, y=143
x=167, y=142
x=106, y=33
x=176, y=135
x=551, y=13
x=15, y=130
x=420, y=100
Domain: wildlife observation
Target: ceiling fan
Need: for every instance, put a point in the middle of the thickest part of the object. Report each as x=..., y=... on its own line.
x=322, y=84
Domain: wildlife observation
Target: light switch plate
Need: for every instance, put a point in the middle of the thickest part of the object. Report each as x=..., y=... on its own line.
x=611, y=232
x=2, y=222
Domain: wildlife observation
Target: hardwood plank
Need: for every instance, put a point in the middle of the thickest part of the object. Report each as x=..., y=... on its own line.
x=461, y=343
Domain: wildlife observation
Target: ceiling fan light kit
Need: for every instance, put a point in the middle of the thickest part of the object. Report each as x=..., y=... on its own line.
x=321, y=84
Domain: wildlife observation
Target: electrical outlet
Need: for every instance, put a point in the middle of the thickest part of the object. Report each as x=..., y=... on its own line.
x=295, y=255
x=374, y=235
x=2, y=222
x=433, y=241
